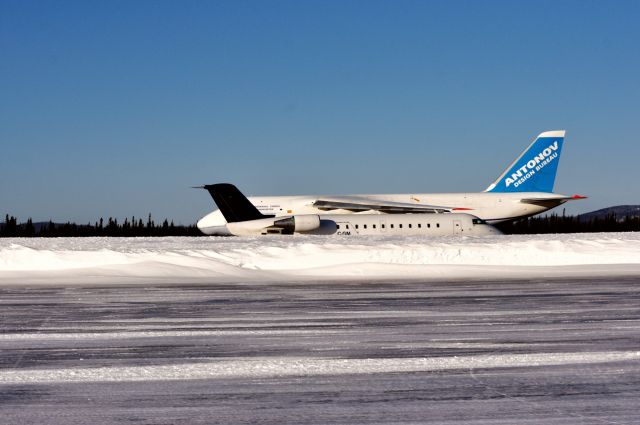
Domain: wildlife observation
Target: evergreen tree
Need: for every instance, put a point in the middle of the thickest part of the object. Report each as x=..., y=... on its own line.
x=29, y=230
x=51, y=229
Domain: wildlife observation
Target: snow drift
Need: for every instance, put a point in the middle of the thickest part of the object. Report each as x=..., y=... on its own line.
x=146, y=260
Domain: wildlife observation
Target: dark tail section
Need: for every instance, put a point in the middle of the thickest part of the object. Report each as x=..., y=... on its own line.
x=233, y=204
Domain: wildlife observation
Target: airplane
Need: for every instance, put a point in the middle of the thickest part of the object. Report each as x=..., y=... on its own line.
x=524, y=189
x=244, y=219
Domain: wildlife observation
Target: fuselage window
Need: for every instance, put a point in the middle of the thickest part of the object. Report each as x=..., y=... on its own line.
x=338, y=226
x=419, y=225
x=374, y=226
x=347, y=226
x=356, y=226
x=437, y=224
x=382, y=226
x=364, y=226
x=391, y=225
x=400, y=225
x=429, y=225
x=409, y=225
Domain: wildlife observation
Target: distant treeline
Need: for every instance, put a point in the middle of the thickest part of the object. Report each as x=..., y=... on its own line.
x=129, y=227
x=552, y=223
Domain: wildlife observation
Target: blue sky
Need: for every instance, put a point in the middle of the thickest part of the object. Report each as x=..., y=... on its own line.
x=117, y=108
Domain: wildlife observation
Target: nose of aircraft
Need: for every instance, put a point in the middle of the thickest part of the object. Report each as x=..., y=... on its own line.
x=213, y=224
x=201, y=224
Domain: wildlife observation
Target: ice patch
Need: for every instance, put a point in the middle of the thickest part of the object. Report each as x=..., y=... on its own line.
x=275, y=367
x=87, y=260
x=86, y=336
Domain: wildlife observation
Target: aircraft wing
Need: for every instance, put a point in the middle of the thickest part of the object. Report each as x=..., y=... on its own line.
x=356, y=204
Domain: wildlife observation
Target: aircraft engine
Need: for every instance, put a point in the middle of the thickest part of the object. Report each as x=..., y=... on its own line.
x=298, y=223
x=275, y=225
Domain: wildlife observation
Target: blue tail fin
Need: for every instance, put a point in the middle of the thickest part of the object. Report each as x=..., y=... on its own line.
x=535, y=169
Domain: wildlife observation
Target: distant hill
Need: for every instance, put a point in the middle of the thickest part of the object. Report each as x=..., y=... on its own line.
x=621, y=212
x=40, y=224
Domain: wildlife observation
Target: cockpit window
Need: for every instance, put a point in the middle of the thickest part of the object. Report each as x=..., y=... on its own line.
x=479, y=221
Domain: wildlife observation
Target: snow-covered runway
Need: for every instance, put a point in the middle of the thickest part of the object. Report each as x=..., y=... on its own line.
x=543, y=350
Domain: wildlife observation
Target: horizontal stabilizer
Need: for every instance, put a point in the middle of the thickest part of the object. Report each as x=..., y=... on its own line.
x=551, y=202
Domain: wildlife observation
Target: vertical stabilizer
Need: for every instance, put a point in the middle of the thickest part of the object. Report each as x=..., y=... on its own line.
x=535, y=169
x=233, y=204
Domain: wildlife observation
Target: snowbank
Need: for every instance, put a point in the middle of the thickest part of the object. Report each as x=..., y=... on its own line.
x=126, y=260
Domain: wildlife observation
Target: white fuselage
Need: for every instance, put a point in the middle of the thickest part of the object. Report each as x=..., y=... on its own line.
x=489, y=206
x=346, y=225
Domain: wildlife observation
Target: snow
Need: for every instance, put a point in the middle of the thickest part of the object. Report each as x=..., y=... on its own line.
x=265, y=367
x=211, y=259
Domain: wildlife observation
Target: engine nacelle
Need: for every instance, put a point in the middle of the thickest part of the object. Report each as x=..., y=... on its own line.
x=298, y=223
x=273, y=225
